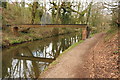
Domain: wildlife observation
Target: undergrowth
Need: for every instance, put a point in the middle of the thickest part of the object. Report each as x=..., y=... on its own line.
x=110, y=33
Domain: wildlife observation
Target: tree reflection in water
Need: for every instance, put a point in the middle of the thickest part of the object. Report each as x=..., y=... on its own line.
x=28, y=60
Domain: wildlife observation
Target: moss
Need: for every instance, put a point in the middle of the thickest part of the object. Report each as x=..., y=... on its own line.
x=15, y=41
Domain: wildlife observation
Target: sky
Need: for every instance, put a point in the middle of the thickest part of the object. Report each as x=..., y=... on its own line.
x=48, y=6
x=83, y=1
x=59, y=0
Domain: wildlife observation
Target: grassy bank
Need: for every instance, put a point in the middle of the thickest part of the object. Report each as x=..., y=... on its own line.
x=32, y=34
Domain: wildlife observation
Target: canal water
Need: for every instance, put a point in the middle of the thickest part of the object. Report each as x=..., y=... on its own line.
x=28, y=60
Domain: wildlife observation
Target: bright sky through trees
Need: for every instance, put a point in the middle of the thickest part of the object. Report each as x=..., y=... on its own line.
x=60, y=0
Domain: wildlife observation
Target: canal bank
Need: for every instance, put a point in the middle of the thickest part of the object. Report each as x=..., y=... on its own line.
x=32, y=34
x=71, y=64
x=28, y=60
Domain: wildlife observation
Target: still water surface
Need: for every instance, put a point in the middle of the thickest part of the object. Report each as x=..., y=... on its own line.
x=28, y=60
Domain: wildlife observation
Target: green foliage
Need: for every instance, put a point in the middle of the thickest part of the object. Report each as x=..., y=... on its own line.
x=16, y=14
x=4, y=4
x=97, y=19
x=111, y=33
x=112, y=30
x=114, y=9
x=116, y=52
x=15, y=41
x=0, y=17
x=59, y=13
x=13, y=15
x=65, y=14
x=115, y=14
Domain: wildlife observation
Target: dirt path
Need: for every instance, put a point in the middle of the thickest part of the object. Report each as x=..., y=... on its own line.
x=71, y=63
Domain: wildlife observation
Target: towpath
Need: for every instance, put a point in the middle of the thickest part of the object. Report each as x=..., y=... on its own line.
x=71, y=64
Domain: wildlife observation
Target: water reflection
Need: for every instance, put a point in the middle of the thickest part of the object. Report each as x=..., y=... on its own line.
x=28, y=60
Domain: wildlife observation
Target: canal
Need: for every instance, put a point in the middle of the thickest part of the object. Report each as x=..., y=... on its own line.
x=29, y=59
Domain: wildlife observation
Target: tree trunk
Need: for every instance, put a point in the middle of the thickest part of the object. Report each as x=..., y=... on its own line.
x=89, y=12
x=34, y=10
